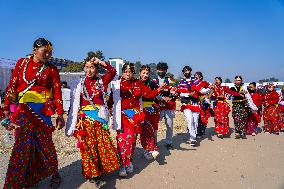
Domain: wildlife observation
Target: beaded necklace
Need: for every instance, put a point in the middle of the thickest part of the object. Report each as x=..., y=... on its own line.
x=38, y=74
x=86, y=95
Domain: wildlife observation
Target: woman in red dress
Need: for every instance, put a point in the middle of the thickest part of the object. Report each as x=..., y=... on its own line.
x=152, y=117
x=35, y=86
x=88, y=121
x=128, y=113
x=221, y=107
x=271, y=114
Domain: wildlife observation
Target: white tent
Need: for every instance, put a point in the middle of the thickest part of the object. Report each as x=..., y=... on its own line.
x=6, y=65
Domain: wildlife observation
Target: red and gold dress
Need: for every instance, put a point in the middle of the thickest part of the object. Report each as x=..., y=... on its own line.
x=99, y=155
x=132, y=116
x=152, y=117
x=33, y=156
x=254, y=117
x=222, y=109
x=271, y=114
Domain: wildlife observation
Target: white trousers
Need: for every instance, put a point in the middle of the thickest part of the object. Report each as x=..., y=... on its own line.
x=192, y=121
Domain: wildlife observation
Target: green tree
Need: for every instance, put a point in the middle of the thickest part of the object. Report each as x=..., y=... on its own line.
x=138, y=66
x=153, y=71
x=227, y=80
x=79, y=67
x=76, y=67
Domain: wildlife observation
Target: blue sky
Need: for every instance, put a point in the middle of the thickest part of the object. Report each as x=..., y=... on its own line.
x=218, y=37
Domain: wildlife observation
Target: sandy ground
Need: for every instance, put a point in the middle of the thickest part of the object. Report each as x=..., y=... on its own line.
x=252, y=163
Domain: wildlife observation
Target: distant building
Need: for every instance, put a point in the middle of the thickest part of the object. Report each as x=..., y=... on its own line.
x=117, y=63
x=60, y=63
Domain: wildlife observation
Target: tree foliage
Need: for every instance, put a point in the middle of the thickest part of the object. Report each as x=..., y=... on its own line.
x=272, y=79
x=227, y=80
x=79, y=67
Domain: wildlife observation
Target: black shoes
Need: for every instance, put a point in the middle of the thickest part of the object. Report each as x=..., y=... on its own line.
x=169, y=147
x=99, y=182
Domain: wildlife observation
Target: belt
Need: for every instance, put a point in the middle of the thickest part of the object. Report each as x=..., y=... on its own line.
x=35, y=97
x=239, y=100
x=147, y=104
x=90, y=107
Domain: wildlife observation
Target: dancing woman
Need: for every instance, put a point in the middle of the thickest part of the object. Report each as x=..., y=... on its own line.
x=240, y=109
x=35, y=86
x=88, y=121
x=221, y=107
x=128, y=114
x=151, y=110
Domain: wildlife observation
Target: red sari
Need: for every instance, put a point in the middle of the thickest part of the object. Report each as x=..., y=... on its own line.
x=222, y=109
x=33, y=156
x=271, y=114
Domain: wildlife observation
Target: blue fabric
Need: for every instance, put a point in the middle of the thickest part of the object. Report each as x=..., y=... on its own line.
x=129, y=113
x=36, y=107
x=94, y=114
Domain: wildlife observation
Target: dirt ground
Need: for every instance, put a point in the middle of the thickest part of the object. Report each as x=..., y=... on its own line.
x=252, y=163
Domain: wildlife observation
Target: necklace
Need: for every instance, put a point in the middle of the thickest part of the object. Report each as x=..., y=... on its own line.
x=86, y=95
x=38, y=74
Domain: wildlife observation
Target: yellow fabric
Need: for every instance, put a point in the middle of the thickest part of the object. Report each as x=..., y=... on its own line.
x=238, y=100
x=90, y=107
x=33, y=96
x=147, y=104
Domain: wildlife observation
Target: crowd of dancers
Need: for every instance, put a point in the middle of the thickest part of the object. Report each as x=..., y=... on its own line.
x=133, y=107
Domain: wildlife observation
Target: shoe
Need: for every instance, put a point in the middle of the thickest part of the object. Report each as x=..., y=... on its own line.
x=100, y=183
x=198, y=137
x=129, y=169
x=169, y=147
x=237, y=136
x=276, y=133
x=148, y=156
x=122, y=171
x=155, y=154
x=244, y=136
x=253, y=134
x=192, y=142
x=220, y=136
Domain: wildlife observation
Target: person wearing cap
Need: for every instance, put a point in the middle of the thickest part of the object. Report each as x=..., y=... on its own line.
x=35, y=86
x=271, y=114
x=88, y=121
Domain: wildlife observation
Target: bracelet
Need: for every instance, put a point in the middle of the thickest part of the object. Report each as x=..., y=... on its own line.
x=5, y=122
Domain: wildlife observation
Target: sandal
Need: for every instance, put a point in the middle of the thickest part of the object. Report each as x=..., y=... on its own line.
x=55, y=181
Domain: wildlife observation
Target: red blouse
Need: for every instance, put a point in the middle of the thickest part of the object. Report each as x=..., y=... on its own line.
x=222, y=91
x=270, y=98
x=93, y=86
x=256, y=98
x=49, y=81
x=131, y=92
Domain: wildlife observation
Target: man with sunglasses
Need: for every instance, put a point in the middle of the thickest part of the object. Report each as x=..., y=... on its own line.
x=35, y=87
